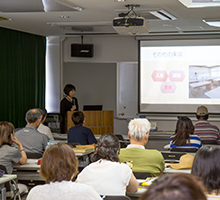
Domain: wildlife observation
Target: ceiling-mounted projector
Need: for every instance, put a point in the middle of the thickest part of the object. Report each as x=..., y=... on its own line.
x=131, y=26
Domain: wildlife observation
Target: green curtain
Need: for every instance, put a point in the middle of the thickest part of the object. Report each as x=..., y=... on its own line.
x=22, y=69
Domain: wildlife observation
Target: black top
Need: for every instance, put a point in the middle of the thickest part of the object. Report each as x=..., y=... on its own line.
x=65, y=106
x=81, y=134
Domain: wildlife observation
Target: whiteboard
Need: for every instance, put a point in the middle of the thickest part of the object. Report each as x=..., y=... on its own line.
x=127, y=90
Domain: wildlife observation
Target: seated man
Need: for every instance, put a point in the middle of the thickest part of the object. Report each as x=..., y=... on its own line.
x=79, y=133
x=143, y=160
x=31, y=139
x=45, y=129
x=206, y=131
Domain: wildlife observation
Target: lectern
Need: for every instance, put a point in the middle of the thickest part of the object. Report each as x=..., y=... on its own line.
x=100, y=122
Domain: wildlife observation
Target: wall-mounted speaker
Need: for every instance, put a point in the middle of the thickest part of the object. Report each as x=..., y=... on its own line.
x=82, y=50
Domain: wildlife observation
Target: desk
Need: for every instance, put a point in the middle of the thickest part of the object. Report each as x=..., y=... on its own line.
x=194, y=86
x=193, y=81
x=4, y=179
x=216, y=81
x=213, y=94
x=60, y=136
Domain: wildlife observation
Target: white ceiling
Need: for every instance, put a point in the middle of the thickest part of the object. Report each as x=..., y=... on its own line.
x=96, y=16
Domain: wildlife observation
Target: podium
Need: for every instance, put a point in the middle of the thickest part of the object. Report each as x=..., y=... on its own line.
x=100, y=122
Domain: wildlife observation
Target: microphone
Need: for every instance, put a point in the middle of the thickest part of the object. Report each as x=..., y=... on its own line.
x=73, y=102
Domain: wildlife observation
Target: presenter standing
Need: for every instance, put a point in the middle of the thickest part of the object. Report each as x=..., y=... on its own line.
x=68, y=103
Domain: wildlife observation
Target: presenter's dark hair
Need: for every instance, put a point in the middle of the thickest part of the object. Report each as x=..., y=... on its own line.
x=108, y=146
x=175, y=187
x=184, y=128
x=78, y=118
x=206, y=165
x=68, y=88
x=6, y=129
x=33, y=115
x=205, y=117
x=58, y=163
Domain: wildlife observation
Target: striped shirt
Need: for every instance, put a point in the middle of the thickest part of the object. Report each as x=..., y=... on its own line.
x=212, y=196
x=194, y=142
x=207, y=131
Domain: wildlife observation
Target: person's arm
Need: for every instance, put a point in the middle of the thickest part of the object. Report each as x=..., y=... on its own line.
x=23, y=159
x=133, y=184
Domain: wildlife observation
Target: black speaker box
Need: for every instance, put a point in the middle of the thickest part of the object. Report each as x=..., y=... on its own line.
x=82, y=50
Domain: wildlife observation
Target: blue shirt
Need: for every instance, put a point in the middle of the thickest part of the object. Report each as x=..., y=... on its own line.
x=81, y=135
x=194, y=142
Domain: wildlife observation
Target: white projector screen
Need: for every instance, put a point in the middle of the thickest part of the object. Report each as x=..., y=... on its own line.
x=177, y=76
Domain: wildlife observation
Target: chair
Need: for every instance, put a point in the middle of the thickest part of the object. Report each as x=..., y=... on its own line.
x=34, y=155
x=172, y=157
x=209, y=142
x=184, y=149
x=14, y=190
x=116, y=198
x=142, y=175
x=123, y=142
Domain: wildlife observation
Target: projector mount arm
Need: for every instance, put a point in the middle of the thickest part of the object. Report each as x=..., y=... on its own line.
x=130, y=10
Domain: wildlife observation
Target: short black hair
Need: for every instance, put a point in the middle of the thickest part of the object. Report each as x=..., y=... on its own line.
x=43, y=111
x=204, y=117
x=68, y=88
x=206, y=165
x=78, y=118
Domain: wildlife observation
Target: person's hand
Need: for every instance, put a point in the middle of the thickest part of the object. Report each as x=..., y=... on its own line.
x=73, y=108
x=16, y=141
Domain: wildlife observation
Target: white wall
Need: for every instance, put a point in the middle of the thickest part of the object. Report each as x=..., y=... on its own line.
x=107, y=49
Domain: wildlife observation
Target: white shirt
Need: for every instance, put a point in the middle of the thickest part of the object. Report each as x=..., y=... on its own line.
x=64, y=190
x=137, y=146
x=106, y=177
x=46, y=130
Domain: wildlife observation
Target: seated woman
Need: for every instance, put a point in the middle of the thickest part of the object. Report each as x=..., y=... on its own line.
x=9, y=154
x=59, y=166
x=175, y=187
x=206, y=165
x=183, y=136
x=106, y=175
x=79, y=133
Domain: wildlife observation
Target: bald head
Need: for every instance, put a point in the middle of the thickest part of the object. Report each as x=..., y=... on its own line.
x=33, y=117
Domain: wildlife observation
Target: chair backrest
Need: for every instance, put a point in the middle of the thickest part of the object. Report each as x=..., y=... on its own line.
x=208, y=141
x=34, y=155
x=172, y=157
x=123, y=142
x=116, y=198
x=184, y=149
x=7, y=185
x=142, y=175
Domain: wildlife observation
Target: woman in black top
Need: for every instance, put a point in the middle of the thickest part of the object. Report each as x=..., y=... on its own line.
x=68, y=103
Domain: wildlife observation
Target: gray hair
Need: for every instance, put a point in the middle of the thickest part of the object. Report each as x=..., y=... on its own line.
x=138, y=128
x=33, y=115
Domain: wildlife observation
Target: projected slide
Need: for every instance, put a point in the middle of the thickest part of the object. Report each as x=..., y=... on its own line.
x=172, y=77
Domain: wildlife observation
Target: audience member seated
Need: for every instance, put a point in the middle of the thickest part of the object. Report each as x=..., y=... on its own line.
x=106, y=175
x=79, y=133
x=207, y=132
x=31, y=139
x=183, y=137
x=45, y=129
x=58, y=167
x=141, y=159
x=9, y=154
x=206, y=166
x=175, y=187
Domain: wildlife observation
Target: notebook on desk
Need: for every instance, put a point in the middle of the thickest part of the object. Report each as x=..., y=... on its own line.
x=82, y=150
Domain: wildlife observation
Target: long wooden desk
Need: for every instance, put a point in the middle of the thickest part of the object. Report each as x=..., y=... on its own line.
x=194, y=86
x=213, y=94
